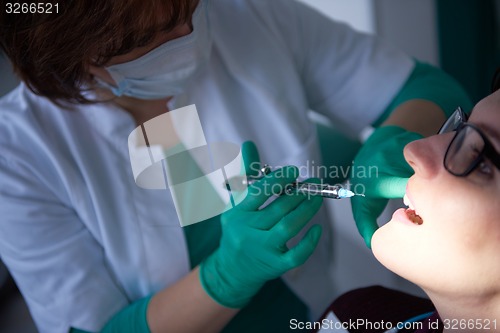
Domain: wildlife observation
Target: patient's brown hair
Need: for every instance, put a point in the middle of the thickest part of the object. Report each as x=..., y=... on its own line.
x=51, y=52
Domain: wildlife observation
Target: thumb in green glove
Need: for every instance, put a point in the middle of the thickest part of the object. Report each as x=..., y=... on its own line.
x=383, y=150
x=253, y=247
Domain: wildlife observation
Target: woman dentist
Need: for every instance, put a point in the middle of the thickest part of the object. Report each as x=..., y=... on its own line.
x=91, y=251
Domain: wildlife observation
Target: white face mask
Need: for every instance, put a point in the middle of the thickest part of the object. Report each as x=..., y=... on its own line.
x=166, y=70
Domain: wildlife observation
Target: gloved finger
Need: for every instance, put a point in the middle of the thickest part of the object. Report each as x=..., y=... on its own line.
x=278, y=209
x=365, y=213
x=251, y=159
x=290, y=225
x=298, y=255
x=271, y=184
x=387, y=188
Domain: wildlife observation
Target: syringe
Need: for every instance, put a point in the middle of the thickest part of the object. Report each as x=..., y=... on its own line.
x=239, y=183
x=324, y=190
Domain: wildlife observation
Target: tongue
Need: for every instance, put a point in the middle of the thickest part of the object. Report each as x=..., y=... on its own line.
x=413, y=216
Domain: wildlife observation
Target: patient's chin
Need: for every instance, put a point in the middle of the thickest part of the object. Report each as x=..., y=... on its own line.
x=379, y=238
x=376, y=242
x=385, y=247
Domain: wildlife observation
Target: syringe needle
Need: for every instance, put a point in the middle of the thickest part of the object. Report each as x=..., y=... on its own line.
x=324, y=190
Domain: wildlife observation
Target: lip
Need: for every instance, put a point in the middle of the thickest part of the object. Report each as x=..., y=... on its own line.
x=400, y=215
x=410, y=203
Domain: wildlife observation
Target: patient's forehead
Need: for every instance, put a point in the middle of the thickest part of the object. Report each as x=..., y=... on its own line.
x=486, y=115
x=488, y=107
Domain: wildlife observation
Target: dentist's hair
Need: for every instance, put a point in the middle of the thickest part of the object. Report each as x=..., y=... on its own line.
x=495, y=82
x=52, y=53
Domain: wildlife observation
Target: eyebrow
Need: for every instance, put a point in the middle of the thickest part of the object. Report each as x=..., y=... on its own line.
x=490, y=131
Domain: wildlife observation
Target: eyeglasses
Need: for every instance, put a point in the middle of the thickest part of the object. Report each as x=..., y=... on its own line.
x=468, y=148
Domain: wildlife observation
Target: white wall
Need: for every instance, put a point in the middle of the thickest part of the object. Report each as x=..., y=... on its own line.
x=409, y=24
x=358, y=13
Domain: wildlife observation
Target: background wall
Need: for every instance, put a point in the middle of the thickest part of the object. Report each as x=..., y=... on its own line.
x=358, y=13
x=409, y=24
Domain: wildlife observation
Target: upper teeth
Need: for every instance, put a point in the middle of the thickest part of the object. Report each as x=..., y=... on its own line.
x=407, y=202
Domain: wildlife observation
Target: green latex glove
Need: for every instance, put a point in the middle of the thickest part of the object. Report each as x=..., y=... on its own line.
x=383, y=150
x=253, y=247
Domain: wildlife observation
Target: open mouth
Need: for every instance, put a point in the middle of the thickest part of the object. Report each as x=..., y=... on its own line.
x=411, y=212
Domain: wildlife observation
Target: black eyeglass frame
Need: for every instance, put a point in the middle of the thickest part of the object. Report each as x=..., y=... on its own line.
x=488, y=150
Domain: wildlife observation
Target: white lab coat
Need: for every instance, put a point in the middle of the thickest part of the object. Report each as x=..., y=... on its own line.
x=82, y=240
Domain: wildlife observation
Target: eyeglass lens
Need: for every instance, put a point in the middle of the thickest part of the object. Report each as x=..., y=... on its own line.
x=464, y=151
x=451, y=124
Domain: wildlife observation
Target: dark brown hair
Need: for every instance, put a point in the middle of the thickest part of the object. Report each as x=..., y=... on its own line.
x=495, y=82
x=51, y=52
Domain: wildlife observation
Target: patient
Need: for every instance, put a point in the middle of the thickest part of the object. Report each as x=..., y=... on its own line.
x=448, y=240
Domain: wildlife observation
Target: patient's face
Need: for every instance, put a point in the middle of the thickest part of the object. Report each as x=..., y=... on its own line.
x=457, y=247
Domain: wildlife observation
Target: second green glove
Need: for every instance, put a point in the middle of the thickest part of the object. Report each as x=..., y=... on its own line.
x=382, y=152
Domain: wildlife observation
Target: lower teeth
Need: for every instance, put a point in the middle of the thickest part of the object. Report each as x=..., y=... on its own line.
x=413, y=216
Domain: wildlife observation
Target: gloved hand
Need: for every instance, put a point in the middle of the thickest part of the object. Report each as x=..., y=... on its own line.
x=253, y=247
x=383, y=150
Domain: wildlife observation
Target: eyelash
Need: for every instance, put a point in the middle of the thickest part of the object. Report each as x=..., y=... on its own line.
x=484, y=168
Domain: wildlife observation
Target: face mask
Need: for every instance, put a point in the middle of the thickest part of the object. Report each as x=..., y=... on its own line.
x=166, y=70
